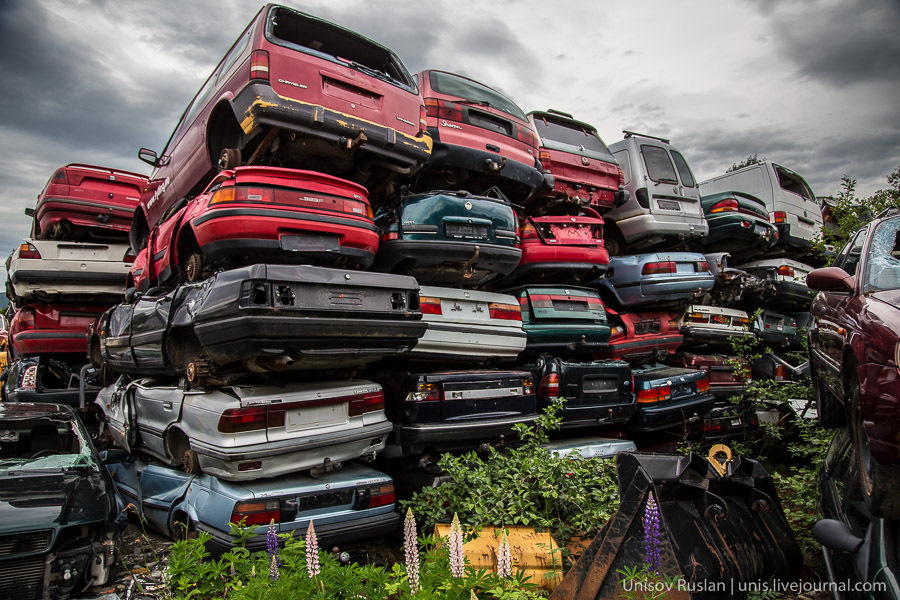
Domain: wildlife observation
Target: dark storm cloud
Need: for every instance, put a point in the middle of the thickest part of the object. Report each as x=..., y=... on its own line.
x=842, y=43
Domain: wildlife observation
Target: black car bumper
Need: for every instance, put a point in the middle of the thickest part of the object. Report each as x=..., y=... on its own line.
x=411, y=439
x=651, y=418
x=437, y=262
x=445, y=156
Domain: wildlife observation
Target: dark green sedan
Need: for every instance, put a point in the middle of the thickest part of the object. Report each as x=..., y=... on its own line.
x=738, y=223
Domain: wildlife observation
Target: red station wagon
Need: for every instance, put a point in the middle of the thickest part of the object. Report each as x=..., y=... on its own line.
x=41, y=328
x=481, y=139
x=296, y=91
x=87, y=203
x=255, y=214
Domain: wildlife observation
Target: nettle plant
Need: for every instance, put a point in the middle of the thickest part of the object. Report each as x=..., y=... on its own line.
x=523, y=486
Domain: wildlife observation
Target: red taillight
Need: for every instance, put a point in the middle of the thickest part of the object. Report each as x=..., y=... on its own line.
x=441, y=109
x=779, y=217
x=617, y=333
x=728, y=205
x=651, y=395
x=549, y=385
x=712, y=427
x=372, y=497
x=366, y=403
x=544, y=156
x=26, y=250
x=508, y=312
x=60, y=176
x=696, y=318
x=703, y=267
x=621, y=177
x=703, y=386
x=785, y=271
x=527, y=386
x=259, y=65
x=26, y=318
x=525, y=135
x=781, y=373
x=357, y=207
x=390, y=235
x=425, y=392
x=423, y=120
x=238, y=420
x=528, y=232
x=29, y=378
x=430, y=306
x=129, y=256
x=260, y=512
x=657, y=268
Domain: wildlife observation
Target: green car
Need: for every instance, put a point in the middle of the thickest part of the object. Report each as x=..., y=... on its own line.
x=738, y=223
x=562, y=320
x=448, y=238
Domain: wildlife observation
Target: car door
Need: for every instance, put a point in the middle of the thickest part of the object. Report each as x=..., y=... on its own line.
x=157, y=407
x=149, y=327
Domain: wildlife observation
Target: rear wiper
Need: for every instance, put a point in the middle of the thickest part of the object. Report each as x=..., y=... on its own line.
x=365, y=69
x=475, y=103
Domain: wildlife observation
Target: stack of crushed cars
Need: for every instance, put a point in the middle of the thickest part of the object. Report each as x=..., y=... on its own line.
x=337, y=262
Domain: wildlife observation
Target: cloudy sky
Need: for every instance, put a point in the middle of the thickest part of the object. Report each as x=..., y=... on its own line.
x=813, y=85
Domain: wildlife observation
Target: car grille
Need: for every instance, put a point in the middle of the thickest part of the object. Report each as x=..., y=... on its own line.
x=25, y=543
x=22, y=579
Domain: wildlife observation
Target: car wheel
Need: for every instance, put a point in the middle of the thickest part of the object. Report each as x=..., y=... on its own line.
x=829, y=411
x=193, y=268
x=614, y=243
x=879, y=483
x=196, y=371
x=190, y=462
x=229, y=159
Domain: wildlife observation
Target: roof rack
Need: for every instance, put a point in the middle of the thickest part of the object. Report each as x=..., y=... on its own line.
x=628, y=134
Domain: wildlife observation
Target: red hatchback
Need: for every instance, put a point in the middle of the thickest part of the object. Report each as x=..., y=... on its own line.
x=254, y=214
x=41, y=328
x=561, y=249
x=481, y=139
x=297, y=91
x=580, y=167
x=87, y=203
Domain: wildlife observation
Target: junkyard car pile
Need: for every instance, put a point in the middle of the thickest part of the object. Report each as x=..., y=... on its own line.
x=377, y=263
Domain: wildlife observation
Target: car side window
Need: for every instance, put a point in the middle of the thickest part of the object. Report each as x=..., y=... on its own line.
x=659, y=165
x=195, y=107
x=624, y=160
x=854, y=250
x=687, y=178
x=231, y=59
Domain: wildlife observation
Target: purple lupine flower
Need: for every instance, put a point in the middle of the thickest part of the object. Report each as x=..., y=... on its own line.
x=504, y=557
x=457, y=555
x=312, y=551
x=652, y=537
x=272, y=549
x=411, y=550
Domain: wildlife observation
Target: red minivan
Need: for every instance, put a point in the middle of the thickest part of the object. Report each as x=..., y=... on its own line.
x=577, y=165
x=255, y=214
x=481, y=139
x=84, y=203
x=42, y=328
x=296, y=91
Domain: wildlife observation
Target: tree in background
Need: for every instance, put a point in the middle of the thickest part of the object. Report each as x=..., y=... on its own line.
x=750, y=160
x=849, y=213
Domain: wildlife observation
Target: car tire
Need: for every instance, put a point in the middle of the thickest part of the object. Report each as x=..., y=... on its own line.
x=830, y=413
x=878, y=483
x=190, y=462
x=229, y=159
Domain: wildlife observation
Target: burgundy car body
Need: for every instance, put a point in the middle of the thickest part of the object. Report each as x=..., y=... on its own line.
x=854, y=342
x=641, y=336
x=269, y=214
x=41, y=328
x=561, y=248
x=481, y=139
x=583, y=170
x=86, y=202
x=725, y=377
x=299, y=91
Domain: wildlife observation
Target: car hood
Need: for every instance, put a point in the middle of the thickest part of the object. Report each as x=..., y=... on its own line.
x=41, y=500
x=891, y=297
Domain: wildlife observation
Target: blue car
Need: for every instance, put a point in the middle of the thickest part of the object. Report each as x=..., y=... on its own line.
x=348, y=505
x=661, y=279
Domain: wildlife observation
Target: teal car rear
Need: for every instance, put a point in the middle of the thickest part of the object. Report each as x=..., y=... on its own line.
x=738, y=223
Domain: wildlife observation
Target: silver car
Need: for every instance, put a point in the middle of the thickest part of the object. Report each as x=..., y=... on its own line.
x=242, y=432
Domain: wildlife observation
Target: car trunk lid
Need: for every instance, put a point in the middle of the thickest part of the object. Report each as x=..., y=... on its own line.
x=480, y=395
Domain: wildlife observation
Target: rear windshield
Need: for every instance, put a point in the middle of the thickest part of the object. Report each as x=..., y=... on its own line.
x=453, y=85
x=570, y=133
x=687, y=178
x=793, y=183
x=659, y=166
x=294, y=30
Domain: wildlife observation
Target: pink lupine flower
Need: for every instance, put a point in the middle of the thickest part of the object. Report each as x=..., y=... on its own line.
x=312, y=552
x=411, y=551
x=457, y=555
x=504, y=557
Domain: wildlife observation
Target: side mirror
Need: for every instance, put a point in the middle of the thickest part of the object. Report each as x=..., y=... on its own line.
x=149, y=156
x=620, y=197
x=29, y=212
x=130, y=295
x=836, y=535
x=830, y=279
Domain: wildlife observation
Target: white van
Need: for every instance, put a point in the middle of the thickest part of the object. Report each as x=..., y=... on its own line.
x=792, y=206
x=664, y=202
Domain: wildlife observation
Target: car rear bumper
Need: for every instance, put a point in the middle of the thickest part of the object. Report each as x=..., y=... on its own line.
x=625, y=350
x=462, y=157
x=792, y=295
x=291, y=455
x=469, y=343
x=663, y=292
x=571, y=337
x=411, y=440
x=650, y=418
x=711, y=336
x=439, y=262
x=730, y=231
x=614, y=412
x=84, y=213
x=50, y=341
x=648, y=224
x=258, y=105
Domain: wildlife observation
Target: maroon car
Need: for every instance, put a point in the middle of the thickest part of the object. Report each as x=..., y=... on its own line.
x=41, y=328
x=297, y=91
x=638, y=337
x=728, y=376
x=854, y=342
x=261, y=214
